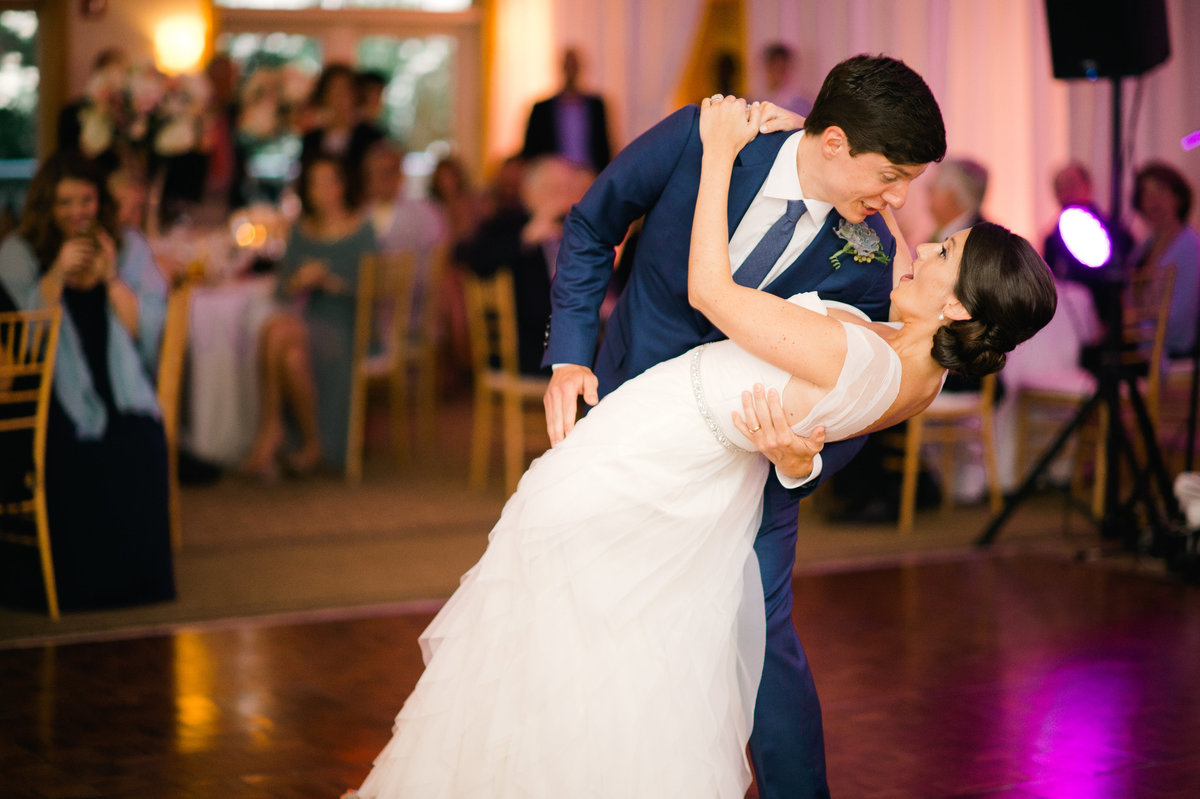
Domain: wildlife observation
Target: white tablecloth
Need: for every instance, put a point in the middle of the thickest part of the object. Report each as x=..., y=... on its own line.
x=221, y=400
x=1048, y=360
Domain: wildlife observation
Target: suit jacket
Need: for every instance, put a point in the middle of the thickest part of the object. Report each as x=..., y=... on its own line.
x=658, y=176
x=541, y=132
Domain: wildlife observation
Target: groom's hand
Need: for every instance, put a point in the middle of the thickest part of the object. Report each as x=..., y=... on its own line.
x=561, y=398
x=766, y=424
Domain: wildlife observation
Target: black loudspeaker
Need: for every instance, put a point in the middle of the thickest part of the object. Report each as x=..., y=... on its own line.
x=1107, y=38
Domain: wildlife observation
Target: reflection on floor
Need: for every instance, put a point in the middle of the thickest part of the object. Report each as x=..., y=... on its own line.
x=984, y=675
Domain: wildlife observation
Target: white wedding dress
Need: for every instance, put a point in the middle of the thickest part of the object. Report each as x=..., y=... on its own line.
x=609, y=641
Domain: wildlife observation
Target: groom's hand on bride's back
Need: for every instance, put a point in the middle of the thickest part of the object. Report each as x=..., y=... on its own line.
x=568, y=383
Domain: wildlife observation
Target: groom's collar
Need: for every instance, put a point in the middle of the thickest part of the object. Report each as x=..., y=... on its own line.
x=783, y=182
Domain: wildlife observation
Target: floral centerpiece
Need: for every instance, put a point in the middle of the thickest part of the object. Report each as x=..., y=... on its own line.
x=270, y=98
x=140, y=114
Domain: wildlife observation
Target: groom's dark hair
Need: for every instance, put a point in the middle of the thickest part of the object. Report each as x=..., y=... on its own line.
x=884, y=107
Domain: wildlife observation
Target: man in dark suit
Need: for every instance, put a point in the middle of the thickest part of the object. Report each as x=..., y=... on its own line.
x=524, y=239
x=874, y=128
x=571, y=123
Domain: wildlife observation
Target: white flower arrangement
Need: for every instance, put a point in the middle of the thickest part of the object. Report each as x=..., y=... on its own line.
x=142, y=109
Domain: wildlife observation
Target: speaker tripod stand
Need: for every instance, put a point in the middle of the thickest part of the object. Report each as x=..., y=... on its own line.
x=1151, y=507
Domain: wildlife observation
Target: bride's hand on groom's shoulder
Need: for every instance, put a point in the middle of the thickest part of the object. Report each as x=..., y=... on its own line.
x=728, y=121
x=776, y=118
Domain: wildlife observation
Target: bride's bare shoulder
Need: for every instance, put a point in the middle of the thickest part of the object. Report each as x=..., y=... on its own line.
x=883, y=329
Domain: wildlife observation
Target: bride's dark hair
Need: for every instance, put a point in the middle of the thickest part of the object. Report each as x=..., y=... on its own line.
x=1009, y=292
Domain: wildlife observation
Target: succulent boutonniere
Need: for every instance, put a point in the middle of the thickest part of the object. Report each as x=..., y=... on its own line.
x=861, y=241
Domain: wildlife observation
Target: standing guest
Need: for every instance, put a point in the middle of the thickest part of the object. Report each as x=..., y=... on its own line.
x=340, y=129
x=1163, y=198
x=371, y=84
x=305, y=349
x=226, y=158
x=779, y=64
x=572, y=123
x=106, y=460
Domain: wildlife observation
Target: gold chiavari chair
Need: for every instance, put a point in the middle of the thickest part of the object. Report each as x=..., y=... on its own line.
x=28, y=346
x=499, y=385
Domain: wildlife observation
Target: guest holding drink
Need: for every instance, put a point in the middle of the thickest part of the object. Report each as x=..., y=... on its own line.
x=106, y=462
x=305, y=348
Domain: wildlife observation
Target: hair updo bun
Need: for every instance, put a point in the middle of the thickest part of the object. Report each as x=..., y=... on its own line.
x=1009, y=292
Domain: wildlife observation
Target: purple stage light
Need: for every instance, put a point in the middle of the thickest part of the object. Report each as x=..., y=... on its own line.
x=1085, y=236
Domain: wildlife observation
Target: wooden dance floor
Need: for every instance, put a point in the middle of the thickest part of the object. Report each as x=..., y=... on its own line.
x=986, y=676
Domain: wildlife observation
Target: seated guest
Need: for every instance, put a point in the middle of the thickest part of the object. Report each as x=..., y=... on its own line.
x=131, y=192
x=1163, y=198
x=461, y=208
x=1073, y=189
x=525, y=239
x=956, y=196
x=402, y=222
x=106, y=461
x=305, y=348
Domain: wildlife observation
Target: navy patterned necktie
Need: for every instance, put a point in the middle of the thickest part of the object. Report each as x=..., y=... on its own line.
x=764, y=255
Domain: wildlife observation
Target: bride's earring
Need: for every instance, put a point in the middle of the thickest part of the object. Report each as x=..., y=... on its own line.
x=941, y=317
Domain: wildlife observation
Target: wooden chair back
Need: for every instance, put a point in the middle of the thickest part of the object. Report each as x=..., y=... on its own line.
x=953, y=419
x=492, y=324
x=382, y=317
x=28, y=346
x=172, y=356
x=1144, y=310
x=492, y=327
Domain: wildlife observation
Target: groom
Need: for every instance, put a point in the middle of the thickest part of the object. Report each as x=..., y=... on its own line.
x=874, y=128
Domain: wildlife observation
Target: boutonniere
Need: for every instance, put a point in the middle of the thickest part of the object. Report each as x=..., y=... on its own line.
x=861, y=241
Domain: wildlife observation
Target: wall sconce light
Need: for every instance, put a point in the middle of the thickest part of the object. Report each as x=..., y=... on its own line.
x=179, y=44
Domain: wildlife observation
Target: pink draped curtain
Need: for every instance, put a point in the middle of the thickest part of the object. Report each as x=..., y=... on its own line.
x=987, y=61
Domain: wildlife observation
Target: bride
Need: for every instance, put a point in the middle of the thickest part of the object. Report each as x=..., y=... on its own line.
x=609, y=641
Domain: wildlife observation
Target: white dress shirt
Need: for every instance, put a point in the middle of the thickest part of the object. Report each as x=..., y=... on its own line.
x=782, y=184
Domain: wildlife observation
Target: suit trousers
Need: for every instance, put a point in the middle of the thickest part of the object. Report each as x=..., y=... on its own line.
x=787, y=715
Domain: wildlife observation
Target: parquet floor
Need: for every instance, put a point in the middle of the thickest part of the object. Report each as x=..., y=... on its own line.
x=984, y=676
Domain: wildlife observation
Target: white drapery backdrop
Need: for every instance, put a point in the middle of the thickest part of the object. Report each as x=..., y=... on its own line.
x=987, y=61
x=633, y=53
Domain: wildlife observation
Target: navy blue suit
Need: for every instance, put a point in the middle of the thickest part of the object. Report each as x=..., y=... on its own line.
x=658, y=176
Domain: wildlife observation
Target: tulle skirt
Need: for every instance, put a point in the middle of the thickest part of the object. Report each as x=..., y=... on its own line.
x=609, y=641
